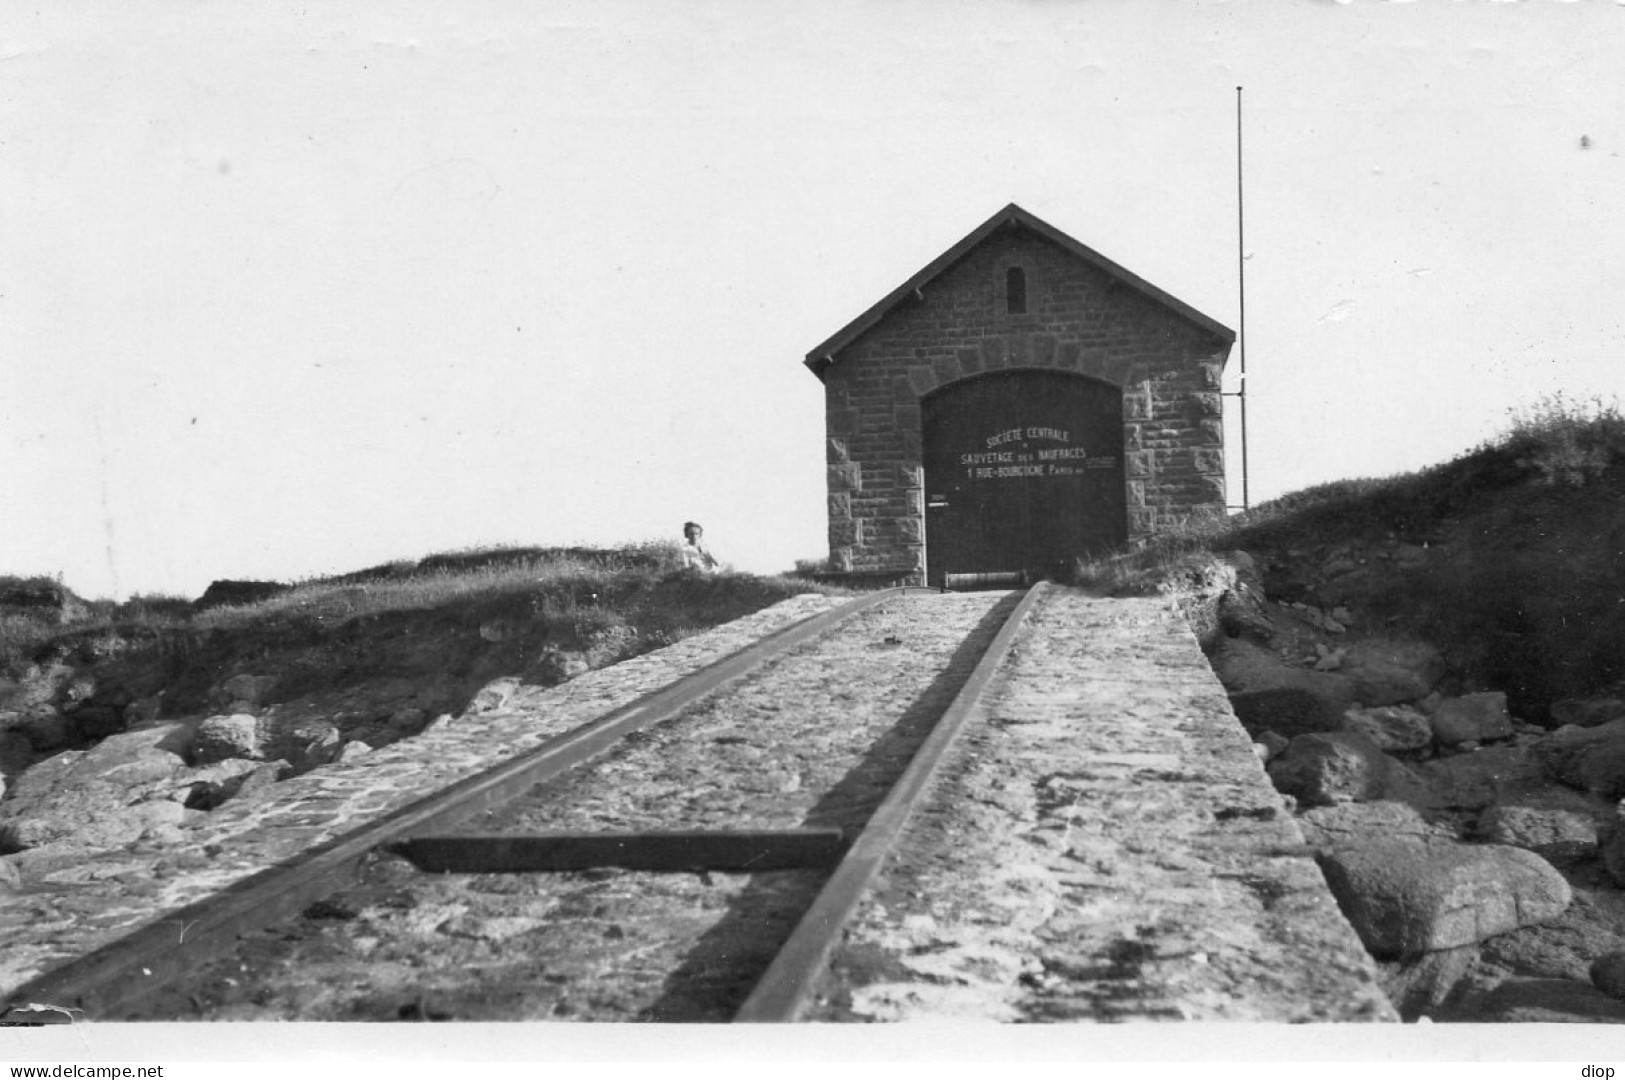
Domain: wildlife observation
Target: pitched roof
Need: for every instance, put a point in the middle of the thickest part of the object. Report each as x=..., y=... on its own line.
x=824, y=355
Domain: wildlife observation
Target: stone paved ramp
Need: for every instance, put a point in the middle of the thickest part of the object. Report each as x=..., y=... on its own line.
x=1105, y=846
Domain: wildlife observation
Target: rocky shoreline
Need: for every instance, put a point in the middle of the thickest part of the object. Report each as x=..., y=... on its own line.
x=1478, y=854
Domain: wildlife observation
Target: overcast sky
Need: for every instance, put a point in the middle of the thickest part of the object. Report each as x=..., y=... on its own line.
x=337, y=284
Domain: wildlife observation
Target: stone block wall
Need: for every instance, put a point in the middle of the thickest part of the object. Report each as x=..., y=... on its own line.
x=1078, y=318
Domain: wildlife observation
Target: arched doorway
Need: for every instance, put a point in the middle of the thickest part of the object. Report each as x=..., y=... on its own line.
x=1023, y=469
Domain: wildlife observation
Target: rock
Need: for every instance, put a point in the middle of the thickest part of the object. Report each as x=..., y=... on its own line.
x=1475, y=780
x=1328, y=659
x=102, y=797
x=1608, y=973
x=1587, y=712
x=409, y=719
x=1562, y=948
x=304, y=743
x=93, y=813
x=495, y=630
x=1317, y=618
x=1555, y=835
x=47, y=729
x=243, y=693
x=1391, y=727
x=1387, y=671
x=1549, y=1001
x=1326, y=827
x=138, y=757
x=1419, y=984
x=1273, y=743
x=1472, y=718
x=1336, y=767
x=143, y=710
x=1269, y=695
x=210, y=785
x=492, y=696
x=226, y=736
x=558, y=666
x=1241, y=614
x=224, y=593
x=353, y=750
x=1404, y=897
x=97, y=721
x=1288, y=712
x=1588, y=758
x=16, y=753
x=260, y=782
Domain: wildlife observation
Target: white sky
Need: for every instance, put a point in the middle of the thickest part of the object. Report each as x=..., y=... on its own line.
x=301, y=292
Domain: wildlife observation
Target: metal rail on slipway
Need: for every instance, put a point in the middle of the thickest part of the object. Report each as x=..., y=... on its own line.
x=101, y=982
x=790, y=983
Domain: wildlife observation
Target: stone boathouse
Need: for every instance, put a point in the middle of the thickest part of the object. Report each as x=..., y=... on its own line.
x=1019, y=401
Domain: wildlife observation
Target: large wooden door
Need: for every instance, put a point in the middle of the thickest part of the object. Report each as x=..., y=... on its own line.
x=1023, y=470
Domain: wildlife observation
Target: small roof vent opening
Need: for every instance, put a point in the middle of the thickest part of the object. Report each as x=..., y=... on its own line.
x=1015, y=291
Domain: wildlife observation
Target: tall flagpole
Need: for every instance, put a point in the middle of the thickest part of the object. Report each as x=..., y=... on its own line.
x=1241, y=285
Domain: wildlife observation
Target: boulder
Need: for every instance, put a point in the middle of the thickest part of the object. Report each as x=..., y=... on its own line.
x=408, y=719
x=94, y=721
x=243, y=693
x=1387, y=671
x=1273, y=743
x=1587, y=758
x=101, y=797
x=86, y=813
x=1327, y=827
x=557, y=666
x=1611, y=845
x=1586, y=712
x=1549, y=1001
x=1270, y=695
x=1559, y=836
x=210, y=785
x=1288, y=712
x=1562, y=948
x=227, y=736
x=1241, y=614
x=1391, y=727
x=16, y=754
x=46, y=728
x=138, y=757
x=1340, y=766
x=305, y=744
x=1419, y=984
x=1472, y=718
x=1608, y=973
x=1474, y=779
x=492, y=696
x=350, y=751
x=1404, y=897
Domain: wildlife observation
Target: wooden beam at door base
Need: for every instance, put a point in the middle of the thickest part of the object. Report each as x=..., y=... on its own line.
x=744, y=851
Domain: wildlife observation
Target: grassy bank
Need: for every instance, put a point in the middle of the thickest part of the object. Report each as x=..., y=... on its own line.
x=451, y=622
x=1510, y=556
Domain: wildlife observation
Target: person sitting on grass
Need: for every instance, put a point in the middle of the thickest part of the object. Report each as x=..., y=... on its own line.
x=696, y=556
